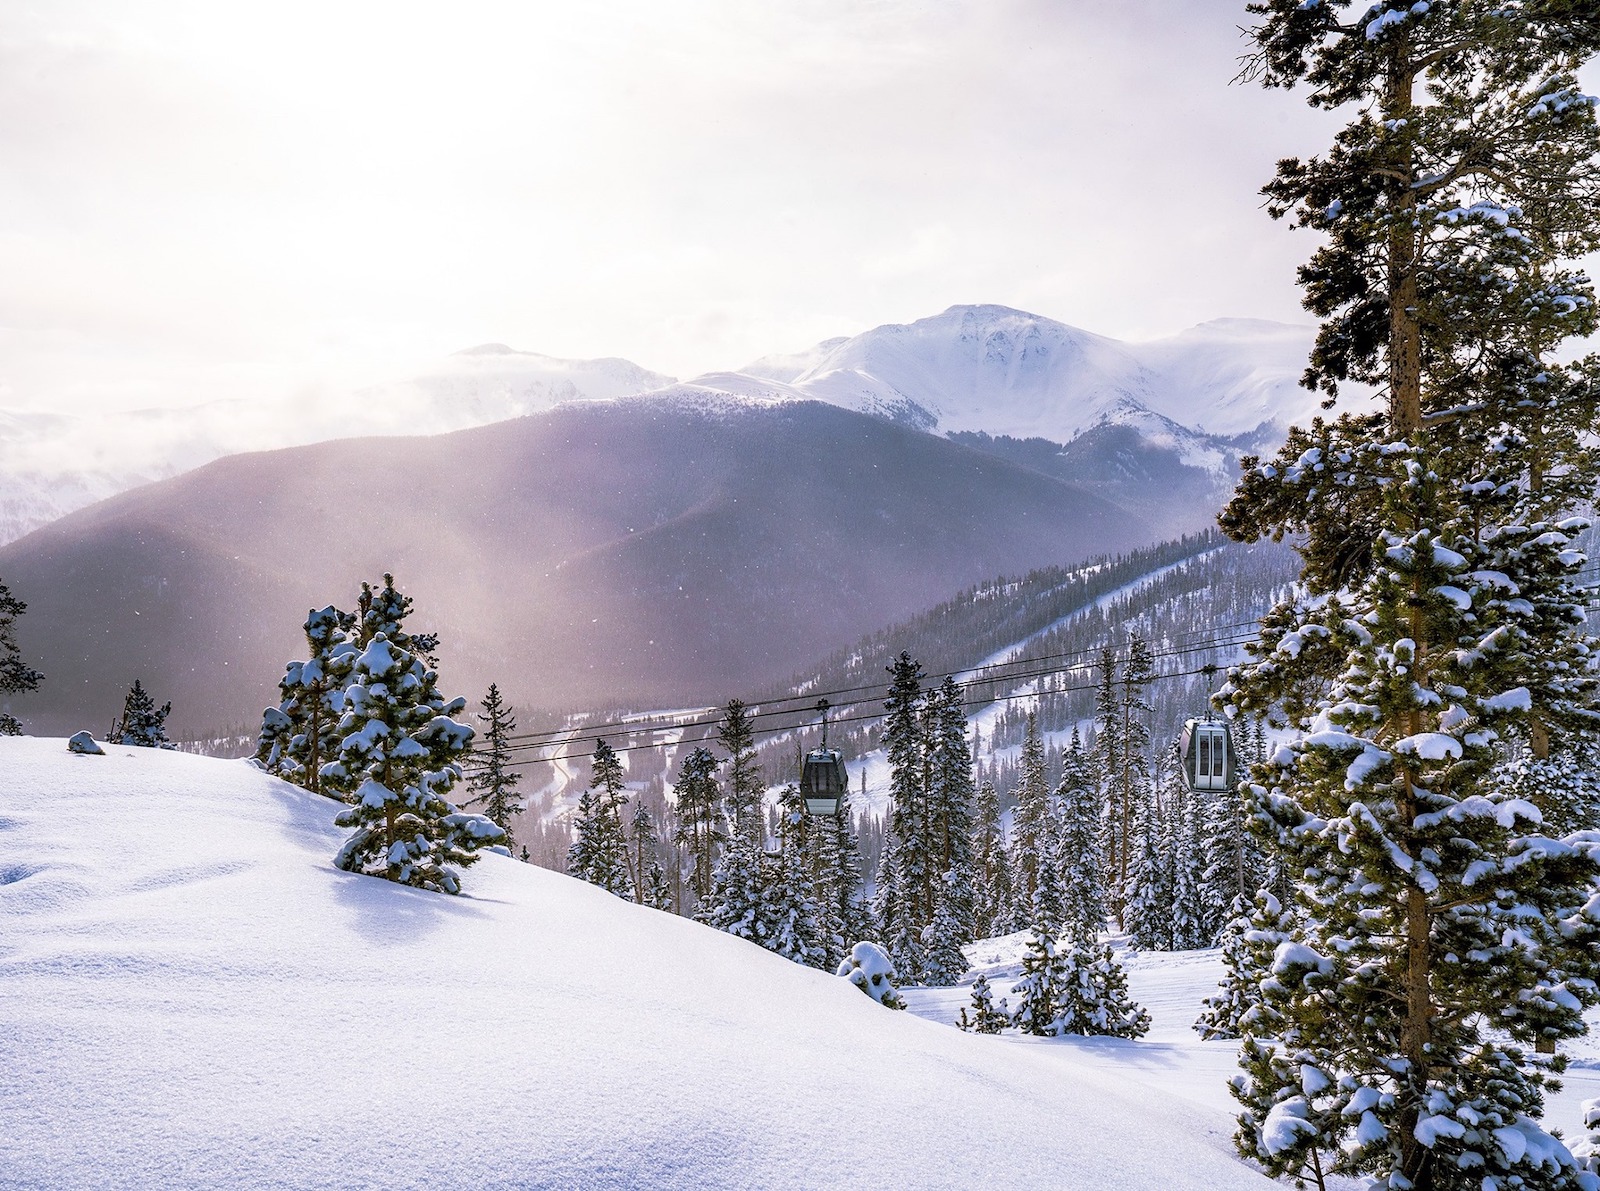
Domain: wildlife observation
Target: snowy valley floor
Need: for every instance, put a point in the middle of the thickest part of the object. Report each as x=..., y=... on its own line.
x=192, y=996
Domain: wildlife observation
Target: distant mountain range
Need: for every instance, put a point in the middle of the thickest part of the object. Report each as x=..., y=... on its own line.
x=639, y=551
x=1194, y=399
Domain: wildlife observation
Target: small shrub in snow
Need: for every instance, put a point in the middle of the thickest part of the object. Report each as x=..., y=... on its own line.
x=869, y=969
x=985, y=1017
x=142, y=723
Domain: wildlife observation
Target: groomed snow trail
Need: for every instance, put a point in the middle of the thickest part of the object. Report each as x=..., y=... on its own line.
x=192, y=996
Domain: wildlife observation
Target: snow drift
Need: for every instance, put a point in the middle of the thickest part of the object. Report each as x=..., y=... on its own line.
x=192, y=996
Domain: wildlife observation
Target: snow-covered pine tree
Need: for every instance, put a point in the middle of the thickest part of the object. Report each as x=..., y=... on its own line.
x=1044, y=972
x=491, y=779
x=1033, y=827
x=745, y=788
x=847, y=914
x=1077, y=848
x=984, y=1018
x=1147, y=914
x=1132, y=801
x=402, y=745
x=1180, y=812
x=791, y=926
x=1437, y=548
x=736, y=901
x=15, y=676
x=1116, y=828
x=702, y=826
x=1092, y=995
x=1233, y=867
x=950, y=810
x=300, y=736
x=599, y=851
x=870, y=970
x=645, y=847
x=943, y=963
x=991, y=898
x=909, y=853
x=1043, y=962
x=141, y=723
x=1565, y=787
x=1249, y=943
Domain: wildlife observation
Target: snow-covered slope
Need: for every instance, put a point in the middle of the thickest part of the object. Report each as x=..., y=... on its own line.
x=53, y=463
x=191, y=996
x=1006, y=371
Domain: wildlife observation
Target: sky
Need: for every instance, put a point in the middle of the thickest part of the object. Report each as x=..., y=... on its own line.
x=236, y=200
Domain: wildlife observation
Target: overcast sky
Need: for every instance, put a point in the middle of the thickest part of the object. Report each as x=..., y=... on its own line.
x=225, y=199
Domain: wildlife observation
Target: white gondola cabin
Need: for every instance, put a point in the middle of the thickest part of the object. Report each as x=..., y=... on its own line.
x=1206, y=748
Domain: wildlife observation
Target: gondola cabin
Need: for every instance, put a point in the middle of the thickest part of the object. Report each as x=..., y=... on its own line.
x=1206, y=748
x=822, y=781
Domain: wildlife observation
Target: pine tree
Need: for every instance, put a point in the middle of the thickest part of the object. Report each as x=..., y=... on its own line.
x=1249, y=943
x=1092, y=995
x=1033, y=829
x=736, y=902
x=744, y=774
x=1439, y=617
x=1117, y=825
x=300, y=737
x=792, y=926
x=1147, y=914
x=650, y=888
x=142, y=723
x=943, y=963
x=1132, y=802
x=701, y=823
x=492, y=780
x=950, y=809
x=1077, y=848
x=402, y=745
x=908, y=901
x=1193, y=924
x=985, y=1017
x=1233, y=865
x=847, y=915
x=991, y=898
x=1044, y=973
x=15, y=677
x=599, y=852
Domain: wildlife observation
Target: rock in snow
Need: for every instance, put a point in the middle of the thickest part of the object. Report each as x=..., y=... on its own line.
x=192, y=996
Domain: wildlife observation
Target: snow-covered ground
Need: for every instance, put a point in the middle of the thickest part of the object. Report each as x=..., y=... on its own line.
x=192, y=996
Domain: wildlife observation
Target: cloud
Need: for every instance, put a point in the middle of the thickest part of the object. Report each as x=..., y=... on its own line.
x=203, y=199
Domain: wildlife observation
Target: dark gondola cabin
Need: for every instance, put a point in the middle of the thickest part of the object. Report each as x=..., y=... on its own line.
x=1207, y=751
x=822, y=781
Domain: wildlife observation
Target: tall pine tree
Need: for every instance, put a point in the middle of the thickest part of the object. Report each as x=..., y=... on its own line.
x=1437, y=549
x=599, y=852
x=490, y=777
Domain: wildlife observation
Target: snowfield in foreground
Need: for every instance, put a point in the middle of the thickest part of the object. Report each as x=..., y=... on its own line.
x=192, y=996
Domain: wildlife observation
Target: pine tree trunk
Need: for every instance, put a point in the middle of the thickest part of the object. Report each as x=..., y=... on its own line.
x=1405, y=336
